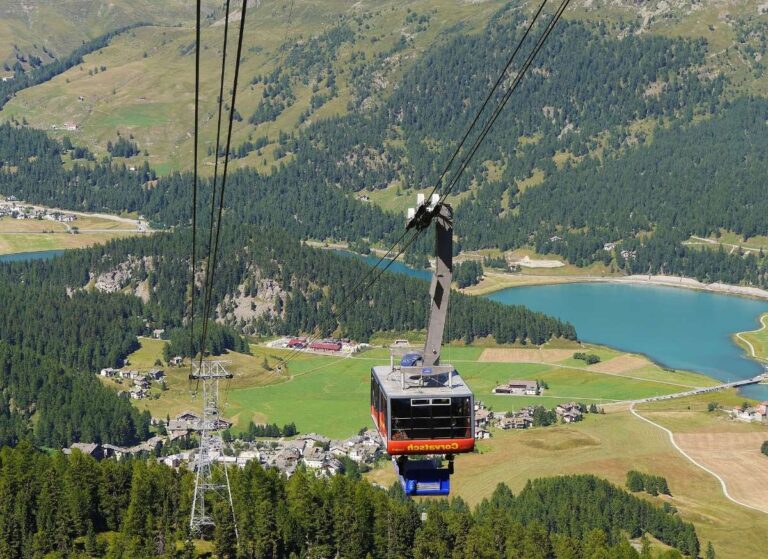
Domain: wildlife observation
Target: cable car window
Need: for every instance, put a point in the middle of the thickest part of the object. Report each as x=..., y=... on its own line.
x=443, y=418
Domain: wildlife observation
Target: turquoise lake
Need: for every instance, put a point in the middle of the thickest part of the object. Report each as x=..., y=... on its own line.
x=22, y=256
x=677, y=328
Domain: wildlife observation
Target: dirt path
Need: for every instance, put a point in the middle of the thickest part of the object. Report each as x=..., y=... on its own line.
x=749, y=344
x=692, y=460
x=702, y=240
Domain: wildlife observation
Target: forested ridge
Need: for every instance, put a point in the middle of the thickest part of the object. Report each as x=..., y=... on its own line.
x=59, y=505
x=316, y=284
x=692, y=179
x=57, y=329
x=688, y=169
x=51, y=342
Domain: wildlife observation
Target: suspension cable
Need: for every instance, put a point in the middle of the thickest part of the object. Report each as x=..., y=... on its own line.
x=224, y=178
x=215, y=170
x=194, y=181
x=466, y=160
x=491, y=93
x=456, y=152
x=500, y=107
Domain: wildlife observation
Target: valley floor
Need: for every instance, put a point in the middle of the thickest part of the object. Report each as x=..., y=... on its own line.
x=329, y=395
x=34, y=235
x=612, y=444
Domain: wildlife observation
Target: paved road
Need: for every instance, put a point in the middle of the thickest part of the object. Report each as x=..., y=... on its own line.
x=704, y=390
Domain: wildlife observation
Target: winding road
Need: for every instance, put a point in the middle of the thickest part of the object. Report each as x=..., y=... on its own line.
x=749, y=344
x=694, y=462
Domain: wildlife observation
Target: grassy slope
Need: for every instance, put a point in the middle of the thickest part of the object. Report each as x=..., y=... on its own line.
x=31, y=235
x=757, y=338
x=330, y=394
x=609, y=446
x=63, y=25
x=152, y=97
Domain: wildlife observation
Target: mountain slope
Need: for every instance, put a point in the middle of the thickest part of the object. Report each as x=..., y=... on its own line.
x=40, y=28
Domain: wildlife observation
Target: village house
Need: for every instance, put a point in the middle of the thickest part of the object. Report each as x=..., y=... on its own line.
x=517, y=421
x=519, y=388
x=482, y=418
x=750, y=415
x=91, y=449
x=150, y=445
x=177, y=361
x=314, y=457
x=247, y=456
x=156, y=374
x=762, y=409
x=226, y=460
x=569, y=412
x=138, y=393
x=172, y=461
x=185, y=421
x=331, y=468
x=338, y=448
x=116, y=452
x=141, y=382
x=314, y=438
x=157, y=333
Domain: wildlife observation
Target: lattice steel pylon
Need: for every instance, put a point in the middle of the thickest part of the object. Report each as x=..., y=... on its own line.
x=209, y=374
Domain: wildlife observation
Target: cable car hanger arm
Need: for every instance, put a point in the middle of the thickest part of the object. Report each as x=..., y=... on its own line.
x=440, y=289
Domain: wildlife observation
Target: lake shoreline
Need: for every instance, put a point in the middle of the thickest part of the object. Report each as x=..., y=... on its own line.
x=659, y=280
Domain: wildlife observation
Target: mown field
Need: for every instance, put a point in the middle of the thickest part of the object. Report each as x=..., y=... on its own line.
x=330, y=395
x=31, y=235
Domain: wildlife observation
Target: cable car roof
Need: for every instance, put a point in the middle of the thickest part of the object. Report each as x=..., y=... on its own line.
x=399, y=382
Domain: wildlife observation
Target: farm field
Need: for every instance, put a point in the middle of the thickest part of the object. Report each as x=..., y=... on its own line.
x=31, y=235
x=329, y=395
x=248, y=369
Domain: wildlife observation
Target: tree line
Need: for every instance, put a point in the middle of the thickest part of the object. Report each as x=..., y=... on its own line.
x=315, y=287
x=62, y=506
x=655, y=485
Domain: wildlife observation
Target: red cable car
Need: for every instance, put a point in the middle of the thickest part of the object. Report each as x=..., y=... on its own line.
x=420, y=407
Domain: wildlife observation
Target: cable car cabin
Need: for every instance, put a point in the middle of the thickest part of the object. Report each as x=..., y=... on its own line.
x=422, y=411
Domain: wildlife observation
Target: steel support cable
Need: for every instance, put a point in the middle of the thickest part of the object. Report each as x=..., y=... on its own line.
x=194, y=182
x=484, y=132
x=224, y=175
x=491, y=93
x=500, y=107
x=456, y=152
x=216, y=164
x=493, y=90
